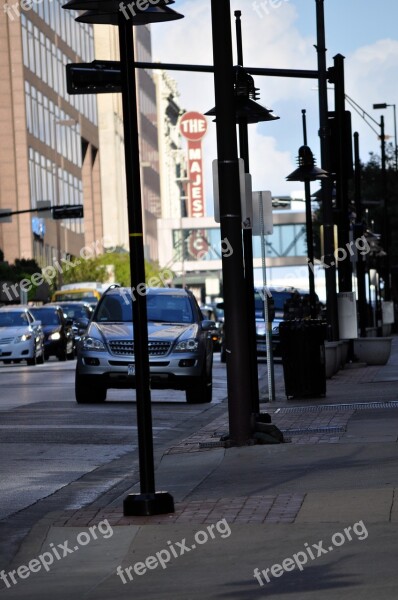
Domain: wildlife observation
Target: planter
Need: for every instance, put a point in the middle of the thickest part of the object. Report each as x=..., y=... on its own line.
x=386, y=330
x=373, y=350
x=344, y=346
x=331, y=366
x=371, y=331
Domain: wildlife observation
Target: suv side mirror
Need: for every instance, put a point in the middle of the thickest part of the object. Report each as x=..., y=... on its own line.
x=208, y=325
x=82, y=323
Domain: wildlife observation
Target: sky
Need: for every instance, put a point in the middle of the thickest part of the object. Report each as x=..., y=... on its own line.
x=282, y=34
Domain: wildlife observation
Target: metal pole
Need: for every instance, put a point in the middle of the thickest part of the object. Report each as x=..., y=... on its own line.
x=395, y=136
x=327, y=184
x=358, y=232
x=268, y=331
x=386, y=225
x=345, y=267
x=237, y=341
x=310, y=235
x=248, y=246
x=147, y=502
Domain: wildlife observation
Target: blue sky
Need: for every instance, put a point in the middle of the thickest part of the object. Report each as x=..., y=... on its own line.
x=363, y=31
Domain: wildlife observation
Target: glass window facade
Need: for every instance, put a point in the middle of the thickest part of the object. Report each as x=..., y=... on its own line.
x=205, y=244
x=45, y=60
x=49, y=182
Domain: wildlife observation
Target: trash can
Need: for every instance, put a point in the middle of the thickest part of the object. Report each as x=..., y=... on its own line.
x=302, y=343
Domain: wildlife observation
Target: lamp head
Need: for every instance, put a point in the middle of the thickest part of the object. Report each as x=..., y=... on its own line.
x=246, y=109
x=114, y=12
x=306, y=171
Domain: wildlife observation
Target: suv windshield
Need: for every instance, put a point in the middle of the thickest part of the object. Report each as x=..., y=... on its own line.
x=164, y=308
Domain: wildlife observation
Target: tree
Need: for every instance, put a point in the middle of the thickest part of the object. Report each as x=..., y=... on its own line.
x=90, y=269
x=121, y=264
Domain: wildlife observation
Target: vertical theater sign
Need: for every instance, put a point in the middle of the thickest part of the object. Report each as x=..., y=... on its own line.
x=193, y=127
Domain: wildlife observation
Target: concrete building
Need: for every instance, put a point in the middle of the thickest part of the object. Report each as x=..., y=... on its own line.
x=193, y=249
x=172, y=156
x=110, y=116
x=49, y=148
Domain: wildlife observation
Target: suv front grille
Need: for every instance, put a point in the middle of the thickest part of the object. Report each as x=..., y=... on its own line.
x=126, y=347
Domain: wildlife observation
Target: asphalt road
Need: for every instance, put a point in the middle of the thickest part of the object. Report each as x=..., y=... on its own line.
x=58, y=455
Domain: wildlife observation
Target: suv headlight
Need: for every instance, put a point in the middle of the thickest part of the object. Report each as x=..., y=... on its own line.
x=23, y=338
x=187, y=346
x=55, y=336
x=90, y=343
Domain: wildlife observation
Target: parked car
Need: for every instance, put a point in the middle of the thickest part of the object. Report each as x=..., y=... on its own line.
x=21, y=336
x=179, y=346
x=58, y=334
x=80, y=313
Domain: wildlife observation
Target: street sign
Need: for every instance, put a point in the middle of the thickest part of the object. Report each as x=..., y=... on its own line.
x=97, y=77
x=67, y=212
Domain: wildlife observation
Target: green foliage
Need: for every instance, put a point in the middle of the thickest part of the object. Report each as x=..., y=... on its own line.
x=23, y=269
x=121, y=265
x=90, y=269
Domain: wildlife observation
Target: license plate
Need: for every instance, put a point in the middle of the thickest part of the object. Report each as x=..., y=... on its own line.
x=130, y=370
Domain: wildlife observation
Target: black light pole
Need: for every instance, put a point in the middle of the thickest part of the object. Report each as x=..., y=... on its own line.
x=358, y=233
x=344, y=170
x=327, y=184
x=383, y=106
x=307, y=172
x=238, y=350
x=248, y=245
x=147, y=502
x=108, y=12
x=386, y=223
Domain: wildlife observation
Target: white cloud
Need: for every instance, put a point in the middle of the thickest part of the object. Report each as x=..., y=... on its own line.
x=275, y=41
x=371, y=77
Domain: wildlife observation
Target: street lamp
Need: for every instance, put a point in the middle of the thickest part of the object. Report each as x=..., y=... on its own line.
x=148, y=502
x=307, y=172
x=383, y=106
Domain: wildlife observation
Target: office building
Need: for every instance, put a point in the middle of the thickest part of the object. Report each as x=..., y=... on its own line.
x=49, y=149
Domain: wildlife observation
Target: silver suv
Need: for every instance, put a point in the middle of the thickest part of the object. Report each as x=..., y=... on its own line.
x=179, y=345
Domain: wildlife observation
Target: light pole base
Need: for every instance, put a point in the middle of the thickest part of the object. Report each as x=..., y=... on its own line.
x=145, y=505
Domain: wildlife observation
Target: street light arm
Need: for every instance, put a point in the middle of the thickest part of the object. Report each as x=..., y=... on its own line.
x=362, y=113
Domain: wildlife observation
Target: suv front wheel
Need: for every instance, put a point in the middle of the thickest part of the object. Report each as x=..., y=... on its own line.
x=202, y=391
x=86, y=392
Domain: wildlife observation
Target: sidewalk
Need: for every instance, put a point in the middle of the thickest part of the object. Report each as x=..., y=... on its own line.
x=241, y=509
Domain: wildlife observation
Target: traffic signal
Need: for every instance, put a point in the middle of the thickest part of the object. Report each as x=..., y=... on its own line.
x=97, y=77
x=67, y=212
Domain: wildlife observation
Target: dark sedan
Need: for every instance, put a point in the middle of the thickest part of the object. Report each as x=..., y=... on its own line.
x=79, y=313
x=58, y=333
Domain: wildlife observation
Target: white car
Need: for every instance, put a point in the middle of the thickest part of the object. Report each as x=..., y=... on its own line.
x=21, y=336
